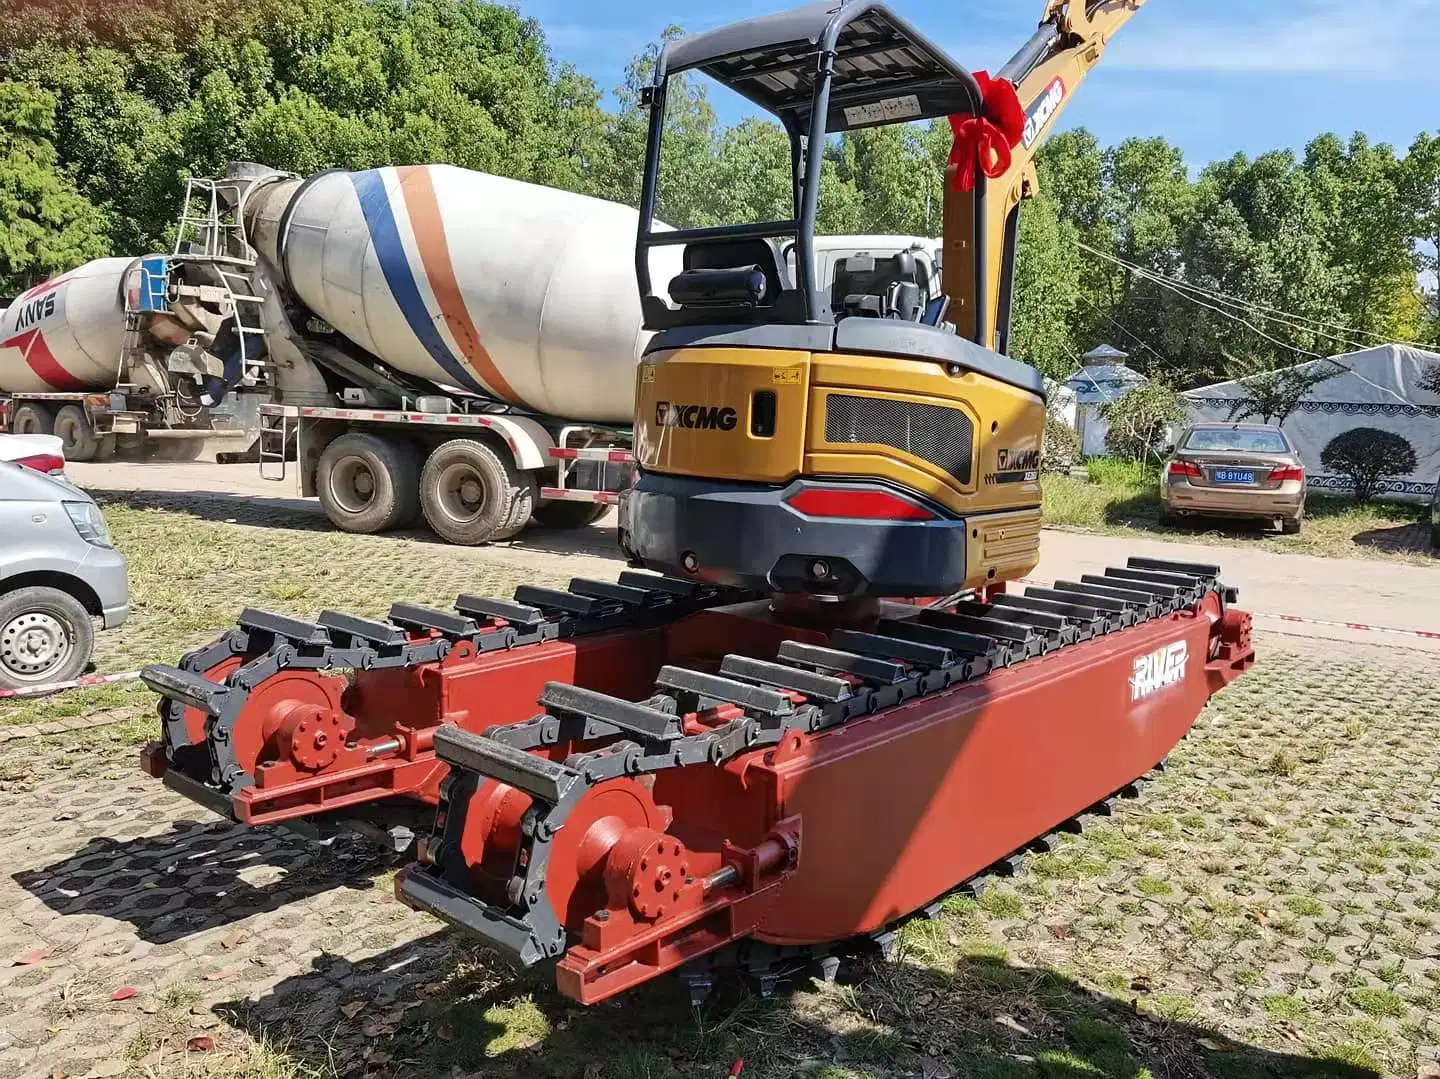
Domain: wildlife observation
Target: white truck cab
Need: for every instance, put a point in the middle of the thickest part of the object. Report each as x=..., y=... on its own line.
x=829, y=250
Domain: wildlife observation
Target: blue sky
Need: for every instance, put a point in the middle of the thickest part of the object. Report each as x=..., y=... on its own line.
x=1214, y=76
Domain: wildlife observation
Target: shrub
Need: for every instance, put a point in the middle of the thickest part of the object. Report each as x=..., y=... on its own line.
x=1140, y=420
x=1365, y=456
x=1061, y=450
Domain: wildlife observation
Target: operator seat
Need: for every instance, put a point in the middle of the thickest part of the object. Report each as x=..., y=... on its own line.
x=728, y=273
x=868, y=287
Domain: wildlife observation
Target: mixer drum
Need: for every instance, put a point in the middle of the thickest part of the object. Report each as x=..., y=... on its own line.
x=66, y=334
x=471, y=281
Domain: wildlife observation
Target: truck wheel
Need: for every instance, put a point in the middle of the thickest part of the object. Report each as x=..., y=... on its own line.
x=175, y=450
x=45, y=636
x=527, y=494
x=32, y=419
x=367, y=483
x=73, y=427
x=570, y=514
x=471, y=497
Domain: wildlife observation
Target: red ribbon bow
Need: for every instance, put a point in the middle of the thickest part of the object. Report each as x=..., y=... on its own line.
x=985, y=142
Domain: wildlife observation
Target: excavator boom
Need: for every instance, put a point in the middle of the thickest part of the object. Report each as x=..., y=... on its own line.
x=1046, y=72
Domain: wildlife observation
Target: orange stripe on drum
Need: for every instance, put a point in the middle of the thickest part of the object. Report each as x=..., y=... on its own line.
x=418, y=189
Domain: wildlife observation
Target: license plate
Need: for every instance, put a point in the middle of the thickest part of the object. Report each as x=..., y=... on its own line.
x=1234, y=475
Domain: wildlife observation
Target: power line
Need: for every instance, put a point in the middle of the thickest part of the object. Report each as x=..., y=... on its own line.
x=1273, y=314
x=1164, y=282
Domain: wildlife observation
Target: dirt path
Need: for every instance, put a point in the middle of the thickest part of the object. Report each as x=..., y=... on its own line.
x=1340, y=590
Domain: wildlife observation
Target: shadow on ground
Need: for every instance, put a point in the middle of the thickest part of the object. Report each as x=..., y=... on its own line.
x=432, y=1006
x=1413, y=538
x=305, y=515
x=199, y=876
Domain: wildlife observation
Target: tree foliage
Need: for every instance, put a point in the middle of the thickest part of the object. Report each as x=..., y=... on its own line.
x=46, y=225
x=1140, y=422
x=1271, y=396
x=1126, y=244
x=1366, y=456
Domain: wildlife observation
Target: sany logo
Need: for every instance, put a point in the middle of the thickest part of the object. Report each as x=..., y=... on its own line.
x=1159, y=670
x=1039, y=115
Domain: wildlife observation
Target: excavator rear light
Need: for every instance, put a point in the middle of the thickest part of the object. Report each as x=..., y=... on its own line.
x=865, y=505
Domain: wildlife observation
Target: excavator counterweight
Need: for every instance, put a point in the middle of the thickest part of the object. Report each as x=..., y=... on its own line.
x=768, y=743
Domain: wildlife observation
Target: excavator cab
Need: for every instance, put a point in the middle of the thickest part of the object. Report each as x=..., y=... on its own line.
x=833, y=443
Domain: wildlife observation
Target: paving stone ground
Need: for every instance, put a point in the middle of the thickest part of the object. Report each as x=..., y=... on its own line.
x=1270, y=906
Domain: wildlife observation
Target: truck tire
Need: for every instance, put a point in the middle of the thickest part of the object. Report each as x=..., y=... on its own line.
x=174, y=450
x=568, y=515
x=45, y=636
x=32, y=418
x=73, y=428
x=368, y=484
x=471, y=497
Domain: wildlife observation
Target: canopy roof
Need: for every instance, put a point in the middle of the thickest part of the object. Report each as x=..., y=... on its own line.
x=885, y=71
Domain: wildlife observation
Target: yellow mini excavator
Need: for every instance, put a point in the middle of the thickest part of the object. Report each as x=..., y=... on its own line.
x=757, y=758
x=849, y=444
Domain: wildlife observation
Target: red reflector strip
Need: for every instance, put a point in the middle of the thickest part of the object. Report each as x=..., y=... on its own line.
x=859, y=505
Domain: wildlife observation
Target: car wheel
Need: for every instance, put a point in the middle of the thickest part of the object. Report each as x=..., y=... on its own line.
x=45, y=636
x=1168, y=518
x=566, y=515
x=367, y=483
x=1290, y=526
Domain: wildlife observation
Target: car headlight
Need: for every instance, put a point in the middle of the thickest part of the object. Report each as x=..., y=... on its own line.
x=89, y=522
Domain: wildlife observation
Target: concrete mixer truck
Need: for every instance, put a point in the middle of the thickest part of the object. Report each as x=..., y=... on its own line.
x=156, y=354
x=481, y=335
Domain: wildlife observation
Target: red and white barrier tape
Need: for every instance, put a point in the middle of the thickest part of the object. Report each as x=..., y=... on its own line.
x=1421, y=633
x=56, y=687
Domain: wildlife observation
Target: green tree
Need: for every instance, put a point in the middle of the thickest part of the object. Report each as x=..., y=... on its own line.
x=1047, y=289
x=46, y=225
x=1271, y=396
x=1366, y=456
x=1140, y=421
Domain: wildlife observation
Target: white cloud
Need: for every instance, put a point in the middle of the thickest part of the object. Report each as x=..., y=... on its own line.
x=1326, y=37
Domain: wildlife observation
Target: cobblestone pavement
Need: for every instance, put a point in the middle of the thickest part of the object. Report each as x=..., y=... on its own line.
x=1272, y=903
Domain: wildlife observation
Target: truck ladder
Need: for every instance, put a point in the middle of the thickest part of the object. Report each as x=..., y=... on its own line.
x=211, y=230
x=275, y=430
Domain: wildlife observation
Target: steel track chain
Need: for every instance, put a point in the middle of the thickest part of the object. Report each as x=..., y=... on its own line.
x=808, y=689
x=269, y=644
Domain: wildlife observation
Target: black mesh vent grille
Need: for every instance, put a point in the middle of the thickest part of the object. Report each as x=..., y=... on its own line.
x=943, y=436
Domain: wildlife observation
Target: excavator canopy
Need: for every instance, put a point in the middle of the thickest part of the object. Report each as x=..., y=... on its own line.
x=882, y=70
x=824, y=68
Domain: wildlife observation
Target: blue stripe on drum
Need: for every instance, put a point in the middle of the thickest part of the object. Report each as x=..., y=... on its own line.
x=395, y=265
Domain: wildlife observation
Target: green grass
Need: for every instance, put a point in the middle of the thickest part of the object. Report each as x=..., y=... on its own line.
x=1079, y=967
x=1123, y=498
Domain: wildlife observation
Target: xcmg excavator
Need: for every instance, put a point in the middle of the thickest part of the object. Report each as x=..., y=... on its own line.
x=769, y=740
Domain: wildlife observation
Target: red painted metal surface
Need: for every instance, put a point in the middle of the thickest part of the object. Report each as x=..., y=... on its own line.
x=651, y=872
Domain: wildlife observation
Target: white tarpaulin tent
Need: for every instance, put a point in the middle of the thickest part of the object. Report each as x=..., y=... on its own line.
x=1379, y=387
x=1095, y=385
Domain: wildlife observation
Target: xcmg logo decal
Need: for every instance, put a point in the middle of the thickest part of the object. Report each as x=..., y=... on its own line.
x=1161, y=669
x=695, y=417
x=1043, y=110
